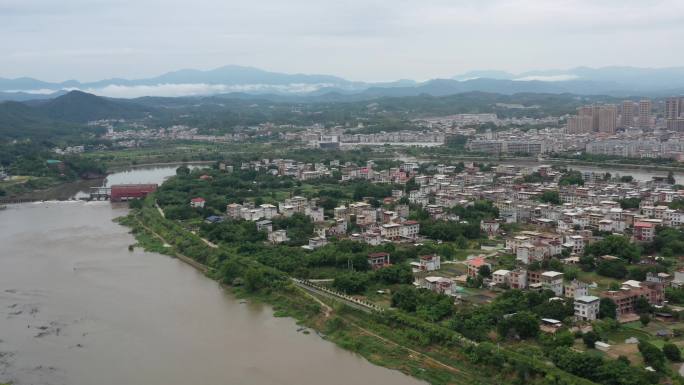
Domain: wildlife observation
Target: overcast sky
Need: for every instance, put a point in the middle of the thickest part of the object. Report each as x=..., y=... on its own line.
x=371, y=40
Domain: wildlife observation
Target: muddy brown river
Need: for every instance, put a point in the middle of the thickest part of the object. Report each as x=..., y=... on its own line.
x=77, y=308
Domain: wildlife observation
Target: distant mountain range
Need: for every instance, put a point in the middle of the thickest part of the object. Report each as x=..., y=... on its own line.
x=613, y=81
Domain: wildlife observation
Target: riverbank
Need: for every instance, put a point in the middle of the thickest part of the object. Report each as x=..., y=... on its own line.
x=428, y=351
x=332, y=321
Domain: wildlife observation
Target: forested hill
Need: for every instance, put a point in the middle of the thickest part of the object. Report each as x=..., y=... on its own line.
x=63, y=115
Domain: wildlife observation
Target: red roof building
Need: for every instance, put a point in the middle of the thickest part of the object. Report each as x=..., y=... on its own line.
x=125, y=192
x=644, y=231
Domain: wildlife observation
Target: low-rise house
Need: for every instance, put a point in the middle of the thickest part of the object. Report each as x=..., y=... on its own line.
x=576, y=289
x=626, y=297
x=378, y=260
x=586, y=307
x=553, y=280
x=474, y=264
x=438, y=284
x=264, y=225
x=410, y=229
x=315, y=213
x=197, y=203
x=278, y=236
x=489, y=227
x=661, y=278
x=233, y=210
x=678, y=280
x=550, y=325
x=644, y=231
x=575, y=243
x=213, y=219
x=427, y=263
x=268, y=210
x=517, y=279
x=315, y=243
x=501, y=277
x=372, y=238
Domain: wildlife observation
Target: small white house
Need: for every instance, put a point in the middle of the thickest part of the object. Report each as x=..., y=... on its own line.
x=427, y=263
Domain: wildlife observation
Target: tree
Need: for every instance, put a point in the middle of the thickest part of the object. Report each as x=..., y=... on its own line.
x=550, y=197
x=351, y=283
x=630, y=203
x=484, y=271
x=641, y=306
x=571, y=177
x=607, y=308
x=670, y=178
x=183, y=171
x=624, y=360
x=524, y=324
x=461, y=242
x=652, y=355
x=395, y=274
x=616, y=245
x=589, y=338
x=612, y=268
x=406, y=299
x=672, y=352
x=645, y=319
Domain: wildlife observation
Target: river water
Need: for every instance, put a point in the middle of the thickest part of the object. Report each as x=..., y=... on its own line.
x=78, y=308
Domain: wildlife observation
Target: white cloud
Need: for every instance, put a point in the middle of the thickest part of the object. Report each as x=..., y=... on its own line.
x=41, y=91
x=199, y=89
x=549, y=78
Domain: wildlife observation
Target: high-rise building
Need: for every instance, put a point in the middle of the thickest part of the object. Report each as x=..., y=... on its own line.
x=596, y=114
x=594, y=118
x=674, y=107
x=644, y=113
x=627, y=119
x=675, y=124
x=580, y=124
x=585, y=111
x=607, y=118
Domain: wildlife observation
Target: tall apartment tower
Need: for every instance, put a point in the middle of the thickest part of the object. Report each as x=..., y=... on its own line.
x=580, y=124
x=674, y=107
x=674, y=113
x=607, y=118
x=595, y=113
x=627, y=119
x=644, y=113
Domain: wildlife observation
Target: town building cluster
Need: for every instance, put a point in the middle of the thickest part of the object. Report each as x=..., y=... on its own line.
x=561, y=228
x=583, y=214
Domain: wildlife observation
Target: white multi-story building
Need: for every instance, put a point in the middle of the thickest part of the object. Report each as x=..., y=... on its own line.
x=500, y=277
x=587, y=308
x=410, y=229
x=553, y=280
